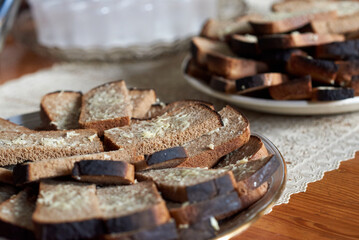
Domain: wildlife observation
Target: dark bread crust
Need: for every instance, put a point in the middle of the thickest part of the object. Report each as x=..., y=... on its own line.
x=284, y=41
x=249, y=197
x=223, y=85
x=71, y=230
x=338, y=50
x=10, y=231
x=259, y=81
x=219, y=207
x=320, y=70
x=277, y=59
x=346, y=70
x=354, y=83
x=154, y=216
x=196, y=192
x=104, y=171
x=166, y=231
x=21, y=174
x=332, y=94
x=300, y=88
x=241, y=46
x=200, y=231
x=6, y=176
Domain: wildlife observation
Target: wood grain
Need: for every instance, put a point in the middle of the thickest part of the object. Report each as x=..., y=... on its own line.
x=329, y=209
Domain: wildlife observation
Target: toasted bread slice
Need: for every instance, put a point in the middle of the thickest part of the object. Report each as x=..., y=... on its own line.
x=254, y=149
x=104, y=172
x=219, y=59
x=165, y=131
x=131, y=208
x=221, y=30
x=320, y=70
x=18, y=147
x=16, y=216
x=251, y=196
x=341, y=25
x=245, y=45
x=259, y=81
x=207, y=150
x=219, y=207
x=67, y=210
x=277, y=59
x=6, y=176
x=222, y=84
x=61, y=110
x=295, y=89
x=331, y=93
x=346, y=70
x=190, y=184
x=165, y=231
x=296, y=40
x=34, y=171
x=7, y=126
x=338, y=51
x=198, y=72
x=6, y=191
x=105, y=107
x=285, y=22
x=141, y=100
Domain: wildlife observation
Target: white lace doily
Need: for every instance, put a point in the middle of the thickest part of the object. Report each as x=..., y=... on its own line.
x=310, y=145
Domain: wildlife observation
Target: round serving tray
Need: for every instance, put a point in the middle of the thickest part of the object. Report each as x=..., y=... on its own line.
x=236, y=224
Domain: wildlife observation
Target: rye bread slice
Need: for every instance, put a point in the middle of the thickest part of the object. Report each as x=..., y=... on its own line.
x=165, y=231
x=104, y=172
x=254, y=149
x=251, y=196
x=207, y=150
x=320, y=70
x=61, y=110
x=105, y=107
x=219, y=59
x=219, y=207
x=16, y=216
x=67, y=210
x=285, y=22
x=296, y=40
x=245, y=45
x=331, y=93
x=16, y=147
x=6, y=191
x=295, y=89
x=34, y=171
x=338, y=51
x=130, y=208
x=166, y=131
x=189, y=184
x=259, y=81
x=346, y=70
x=6, y=176
x=221, y=30
x=198, y=72
x=141, y=100
x=202, y=230
x=341, y=25
x=7, y=126
x=167, y=158
x=222, y=84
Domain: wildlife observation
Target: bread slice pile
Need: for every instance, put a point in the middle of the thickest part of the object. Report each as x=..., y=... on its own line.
x=104, y=181
x=302, y=50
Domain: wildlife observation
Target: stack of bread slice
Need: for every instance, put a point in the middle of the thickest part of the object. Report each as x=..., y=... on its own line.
x=302, y=50
x=104, y=180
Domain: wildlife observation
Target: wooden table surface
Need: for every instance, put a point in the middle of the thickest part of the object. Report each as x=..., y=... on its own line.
x=329, y=209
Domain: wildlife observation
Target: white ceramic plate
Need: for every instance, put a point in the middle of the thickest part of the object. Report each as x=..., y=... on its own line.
x=237, y=223
x=275, y=106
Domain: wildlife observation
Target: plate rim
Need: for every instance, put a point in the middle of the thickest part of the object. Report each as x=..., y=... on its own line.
x=287, y=107
x=28, y=118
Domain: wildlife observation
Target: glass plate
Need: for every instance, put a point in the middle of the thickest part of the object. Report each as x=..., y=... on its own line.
x=299, y=107
x=238, y=223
